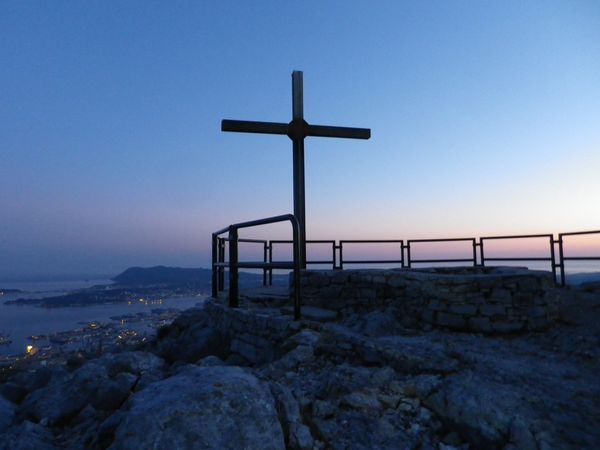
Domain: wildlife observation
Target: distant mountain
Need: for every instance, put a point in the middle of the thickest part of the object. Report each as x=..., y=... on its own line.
x=178, y=276
x=582, y=278
x=143, y=276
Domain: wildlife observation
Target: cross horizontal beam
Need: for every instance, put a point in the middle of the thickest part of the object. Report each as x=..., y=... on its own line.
x=339, y=132
x=246, y=126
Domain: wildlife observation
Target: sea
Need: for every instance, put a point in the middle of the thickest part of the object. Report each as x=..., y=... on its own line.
x=19, y=322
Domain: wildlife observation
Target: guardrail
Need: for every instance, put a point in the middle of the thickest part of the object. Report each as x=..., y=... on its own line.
x=405, y=255
x=479, y=258
x=551, y=259
x=233, y=264
x=472, y=260
x=564, y=258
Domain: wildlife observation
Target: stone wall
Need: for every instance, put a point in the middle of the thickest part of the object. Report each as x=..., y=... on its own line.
x=255, y=334
x=480, y=299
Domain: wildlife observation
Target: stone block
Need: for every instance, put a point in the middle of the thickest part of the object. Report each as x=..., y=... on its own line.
x=397, y=280
x=537, y=323
x=503, y=326
x=450, y=320
x=318, y=279
x=486, y=282
x=492, y=310
x=245, y=349
x=361, y=278
x=528, y=284
x=537, y=311
x=367, y=294
x=481, y=324
x=475, y=299
x=463, y=310
x=523, y=298
x=378, y=279
x=437, y=305
x=339, y=277
x=466, y=288
x=427, y=316
x=500, y=295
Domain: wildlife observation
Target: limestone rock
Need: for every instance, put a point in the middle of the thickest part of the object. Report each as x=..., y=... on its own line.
x=60, y=401
x=38, y=378
x=194, y=343
x=112, y=393
x=205, y=408
x=482, y=411
x=12, y=392
x=7, y=413
x=136, y=363
x=28, y=436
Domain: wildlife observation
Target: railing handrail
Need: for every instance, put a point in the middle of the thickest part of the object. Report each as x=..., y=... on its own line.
x=478, y=258
x=556, y=262
x=218, y=262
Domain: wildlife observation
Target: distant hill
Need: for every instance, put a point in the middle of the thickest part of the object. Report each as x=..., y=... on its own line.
x=178, y=276
x=142, y=276
x=582, y=278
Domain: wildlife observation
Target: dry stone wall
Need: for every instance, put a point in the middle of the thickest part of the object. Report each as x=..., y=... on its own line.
x=479, y=299
x=255, y=334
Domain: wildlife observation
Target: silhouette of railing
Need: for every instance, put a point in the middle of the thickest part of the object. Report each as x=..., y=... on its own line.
x=564, y=258
x=551, y=259
x=233, y=264
x=410, y=260
x=405, y=255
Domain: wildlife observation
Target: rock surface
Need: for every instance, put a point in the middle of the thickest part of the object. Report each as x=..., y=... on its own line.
x=7, y=413
x=204, y=408
x=366, y=380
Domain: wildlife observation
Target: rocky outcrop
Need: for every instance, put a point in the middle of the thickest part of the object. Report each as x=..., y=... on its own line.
x=205, y=408
x=7, y=413
x=362, y=382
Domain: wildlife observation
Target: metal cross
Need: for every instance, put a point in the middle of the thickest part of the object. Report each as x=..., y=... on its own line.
x=296, y=130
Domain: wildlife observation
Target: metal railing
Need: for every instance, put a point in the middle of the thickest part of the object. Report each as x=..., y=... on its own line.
x=551, y=259
x=271, y=245
x=410, y=260
x=564, y=258
x=405, y=254
x=371, y=261
x=233, y=264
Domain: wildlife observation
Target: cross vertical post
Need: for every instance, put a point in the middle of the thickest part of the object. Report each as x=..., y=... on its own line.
x=298, y=161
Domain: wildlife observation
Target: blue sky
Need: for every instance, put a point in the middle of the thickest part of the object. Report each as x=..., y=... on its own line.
x=484, y=118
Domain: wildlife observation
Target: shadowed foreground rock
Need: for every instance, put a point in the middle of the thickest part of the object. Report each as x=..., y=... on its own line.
x=366, y=381
x=205, y=408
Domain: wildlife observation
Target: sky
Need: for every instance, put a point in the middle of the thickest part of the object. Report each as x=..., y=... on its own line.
x=484, y=116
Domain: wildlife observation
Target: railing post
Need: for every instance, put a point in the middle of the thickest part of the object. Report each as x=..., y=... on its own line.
x=333, y=255
x=233, y=268
x=402, y=253
x=265, y=261
x=481, y=254
x=341, y=256
x=474, y=253
x=215, y=268
x=553, y=259
x=297, y=264
x=402, y=250
x=562, y=260
x=408, y=253
x=221, y=259
x=270, y=261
